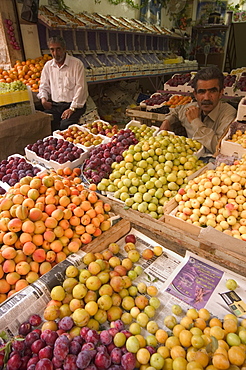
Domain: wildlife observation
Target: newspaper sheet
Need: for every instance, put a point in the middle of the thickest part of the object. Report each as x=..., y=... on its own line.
x=189, y=282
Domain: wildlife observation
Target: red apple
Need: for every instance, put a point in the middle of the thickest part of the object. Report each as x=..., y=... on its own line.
x=130, y=239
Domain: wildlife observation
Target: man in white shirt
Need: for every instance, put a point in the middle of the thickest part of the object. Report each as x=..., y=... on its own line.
x=63, y=88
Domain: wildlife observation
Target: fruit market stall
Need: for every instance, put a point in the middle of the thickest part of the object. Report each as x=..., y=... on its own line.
x=158, y=305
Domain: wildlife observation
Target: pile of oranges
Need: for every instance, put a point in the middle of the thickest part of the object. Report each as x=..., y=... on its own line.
x=28, y=72
x=176, y=100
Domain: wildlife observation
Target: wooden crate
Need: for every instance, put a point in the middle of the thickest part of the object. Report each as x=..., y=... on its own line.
x=179, y=236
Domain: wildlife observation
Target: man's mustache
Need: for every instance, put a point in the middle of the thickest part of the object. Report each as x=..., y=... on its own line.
x=206, y=102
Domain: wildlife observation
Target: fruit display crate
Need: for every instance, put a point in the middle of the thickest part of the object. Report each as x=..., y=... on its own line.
x=232, y=148
x=58, y=135
x=34, y=158
x=138, y=124
x=241, y=110
x=178, y=237
x=137, y=113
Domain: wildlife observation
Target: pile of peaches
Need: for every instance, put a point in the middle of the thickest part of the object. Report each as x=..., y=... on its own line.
x=28, y=72
x=42, y=221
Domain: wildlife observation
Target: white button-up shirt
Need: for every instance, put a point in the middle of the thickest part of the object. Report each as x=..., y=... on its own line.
x=64, y=84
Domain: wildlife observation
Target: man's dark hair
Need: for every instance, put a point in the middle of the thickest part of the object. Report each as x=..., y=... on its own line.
x=209, y=73
x=57, y=40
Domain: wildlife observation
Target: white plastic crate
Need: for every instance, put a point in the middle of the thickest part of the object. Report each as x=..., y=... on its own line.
x=241, y=110
x=34, y=158
x=105, y=139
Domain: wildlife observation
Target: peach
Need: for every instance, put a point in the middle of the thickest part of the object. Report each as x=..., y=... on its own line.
x=50, y=256
x=59, y=232
x=39, y=227
x=18, y=244
x=51, y=191
x=42, y=189
x=95, y=221
x=40, y=205
x=29, y=248
x=44, y=267
x=22, y=268
x=4, y=286
x=71, y=206
x=12, y=210
x=24, y=189
x=86, y=205
x=12, y=277
x=78, y=211
x=40, y=199
x=46, y=245
x=3, y=298
x=29, y=203
x=58, y=185
x=67, y=214
x=127, y=281
x=21, y=284
x=49, y=208
x=64, y=201
x=85, y=220
x=20, y=256
x=4, y=223
x=49, y=235
x=77, y=240
x=97, y=232
x=32, y=276
x=6, y=204
x=68, y=233
x=105, y=225
x=92, y=197
x=15, y=225
x=99, y=210
x=76, y=199
x=64, y=240
x=141, y=302
x=106, y=207
x=38, y=239
x=107, y=254
x=86, y=238
x=6, y=214
x=114, y=261
x=91, y=213
x=18, y=199
x=50, y=199
x=64, y=224
x=25, y=237
x=75, y=221
x=114, y=313
x=35, y=214
x=56, y=246
x=100, y=217
x=120, y=269
x=44, y=216
x=34, y=266
x=51, y=222
x=60, y=256
x=57, y=214
x=48, y=181
x=39, y=255
x=33, y=194
x=8, y=266
x=73, y=246
x=21, y=212
x=1, y=271
x=62, y=193
x=80, y=229
x=28, y=226
x=10, y=238
x=8, y=253
x=35, y=183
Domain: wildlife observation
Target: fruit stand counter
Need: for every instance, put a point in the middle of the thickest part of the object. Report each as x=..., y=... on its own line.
x=16, y=133
x=172, y=236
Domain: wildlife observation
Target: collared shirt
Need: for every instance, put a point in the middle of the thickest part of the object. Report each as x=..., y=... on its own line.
x=64, y=84
x=209, y=131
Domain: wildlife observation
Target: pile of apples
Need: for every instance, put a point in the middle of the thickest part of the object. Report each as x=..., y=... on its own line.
x=28, y=72
x=157, y=99
x=217, y=199
x=42, y=221
x=152, y=172
x=81, y=136
x=102, y=128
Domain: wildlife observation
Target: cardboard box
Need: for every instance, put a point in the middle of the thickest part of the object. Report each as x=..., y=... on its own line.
x=230, y=148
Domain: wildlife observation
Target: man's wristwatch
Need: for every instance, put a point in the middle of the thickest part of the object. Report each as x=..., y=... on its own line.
x=72, y=109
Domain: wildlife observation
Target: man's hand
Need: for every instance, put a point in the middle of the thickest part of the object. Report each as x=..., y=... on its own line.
x=165, y=125
x=66, y=114
x=46, y=104
x=192, y=113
